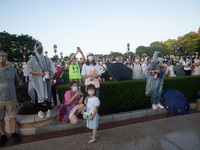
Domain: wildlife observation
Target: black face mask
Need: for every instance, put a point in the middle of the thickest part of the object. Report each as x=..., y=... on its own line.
x=39, y=50
x=74, y=58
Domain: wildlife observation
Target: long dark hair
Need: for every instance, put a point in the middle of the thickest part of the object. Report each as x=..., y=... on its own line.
x=88, y=62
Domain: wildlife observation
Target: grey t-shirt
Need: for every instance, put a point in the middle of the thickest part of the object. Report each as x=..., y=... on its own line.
x=7, y=87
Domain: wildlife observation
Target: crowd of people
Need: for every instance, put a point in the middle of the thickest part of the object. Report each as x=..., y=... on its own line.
x=44, y=74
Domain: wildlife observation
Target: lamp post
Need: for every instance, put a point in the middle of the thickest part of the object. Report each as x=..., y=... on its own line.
x=55, y=49
x=128, y=49
x=46, y=53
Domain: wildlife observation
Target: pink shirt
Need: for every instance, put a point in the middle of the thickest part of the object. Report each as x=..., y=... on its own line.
x=68, y=95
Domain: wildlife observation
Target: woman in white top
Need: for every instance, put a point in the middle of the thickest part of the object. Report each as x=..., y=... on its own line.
x=170, y=70
x=197, y=66
x=91, y=72
x=187, y=66
x=143, y=64
x=137, y=69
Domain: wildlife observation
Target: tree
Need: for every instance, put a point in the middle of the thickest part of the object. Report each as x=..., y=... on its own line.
x=141, y=50
x=18, y=47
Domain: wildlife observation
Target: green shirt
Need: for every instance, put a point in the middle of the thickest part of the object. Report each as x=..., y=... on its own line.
x=74, y=71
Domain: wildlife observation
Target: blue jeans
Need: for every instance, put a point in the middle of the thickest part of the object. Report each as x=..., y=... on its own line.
x=156, y=92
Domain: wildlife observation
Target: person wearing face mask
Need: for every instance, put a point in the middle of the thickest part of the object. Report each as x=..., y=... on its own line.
x=57, y=75
x=187, y=66
x=143, y=64
x=92, y=104
x=170, y=69
x=74, y=66
x=40, y=70
x=91, y=72
x=137, y=69
x=74, y=99
x=154, y=74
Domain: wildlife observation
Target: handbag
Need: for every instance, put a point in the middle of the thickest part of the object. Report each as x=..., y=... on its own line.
x=59, y=81
x=64, y=112
x=86, y=115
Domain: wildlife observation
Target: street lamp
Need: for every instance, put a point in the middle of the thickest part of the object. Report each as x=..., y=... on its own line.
x=46, y=53
x=55, y=48
x=128, y=49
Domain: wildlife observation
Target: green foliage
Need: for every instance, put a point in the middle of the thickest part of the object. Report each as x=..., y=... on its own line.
x=12, y=44
x=121, y=96
x=187, y=44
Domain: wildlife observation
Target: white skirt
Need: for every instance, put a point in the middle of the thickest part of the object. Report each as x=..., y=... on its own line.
x=73, y=111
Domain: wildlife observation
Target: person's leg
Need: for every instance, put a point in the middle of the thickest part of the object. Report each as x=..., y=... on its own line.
x=154, y=91
x=94, y=134
x=13, y=124
x=2, y=127
x=79, y=109
x=53, y=89
x=73, y=119
x=159, y=90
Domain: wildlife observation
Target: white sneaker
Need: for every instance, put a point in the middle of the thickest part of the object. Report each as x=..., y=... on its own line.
x=154, y=106
x=48, y=113
x=160, y=106
x=41, y=114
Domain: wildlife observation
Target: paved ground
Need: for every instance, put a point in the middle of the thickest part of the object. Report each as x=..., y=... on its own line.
x=173, y=133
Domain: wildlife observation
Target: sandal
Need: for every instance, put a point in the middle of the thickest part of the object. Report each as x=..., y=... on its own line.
x=92, y=136
x=91, y=141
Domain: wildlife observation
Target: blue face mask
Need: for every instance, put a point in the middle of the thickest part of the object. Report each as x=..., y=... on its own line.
x=74, y=89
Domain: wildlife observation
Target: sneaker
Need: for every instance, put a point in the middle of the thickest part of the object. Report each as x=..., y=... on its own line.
x=41, y=114
x=154, y=106
x=16, y=137
x=48, y=113
x=160, y=106
x=3, y=139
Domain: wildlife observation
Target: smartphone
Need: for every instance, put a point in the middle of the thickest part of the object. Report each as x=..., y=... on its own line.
x=78, y=48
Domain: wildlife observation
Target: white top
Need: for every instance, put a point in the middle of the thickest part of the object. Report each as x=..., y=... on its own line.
x=102, y=67
x=186, y=68
x=137, y=71
x=197, y=68
x=91, y=103
x=170, y=69
x=90, y=70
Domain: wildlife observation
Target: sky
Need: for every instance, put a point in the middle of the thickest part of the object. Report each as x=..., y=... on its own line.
x=99, y=26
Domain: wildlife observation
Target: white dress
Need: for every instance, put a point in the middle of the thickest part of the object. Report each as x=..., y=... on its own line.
x=171, y=71
x=197, y=68
x=137, y=71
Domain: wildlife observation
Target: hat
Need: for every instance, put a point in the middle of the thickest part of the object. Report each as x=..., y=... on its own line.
x=89, y=54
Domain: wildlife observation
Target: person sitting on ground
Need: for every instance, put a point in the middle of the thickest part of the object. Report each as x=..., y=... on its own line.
x=74, y=98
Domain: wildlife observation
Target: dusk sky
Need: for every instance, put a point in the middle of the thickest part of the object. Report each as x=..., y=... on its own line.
x=99, y=26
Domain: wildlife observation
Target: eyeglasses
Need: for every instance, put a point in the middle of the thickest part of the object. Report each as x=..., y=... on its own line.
x=2, y=56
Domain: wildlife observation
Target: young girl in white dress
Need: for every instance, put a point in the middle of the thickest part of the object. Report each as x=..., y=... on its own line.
x=92, y=103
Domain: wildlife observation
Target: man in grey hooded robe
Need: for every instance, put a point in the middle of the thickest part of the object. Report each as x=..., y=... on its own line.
x=154, y=75
x=40, y=70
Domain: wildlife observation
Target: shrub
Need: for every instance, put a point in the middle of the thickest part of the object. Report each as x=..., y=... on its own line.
x=120, y=96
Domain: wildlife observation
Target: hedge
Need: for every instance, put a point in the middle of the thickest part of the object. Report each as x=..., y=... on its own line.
x=121, y=96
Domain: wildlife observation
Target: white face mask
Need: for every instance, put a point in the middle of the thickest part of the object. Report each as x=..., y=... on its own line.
x=90, y=58
x=142, y=59
x=74, y=89
x=159, y=59
x=91, y=93
x=137, y=60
